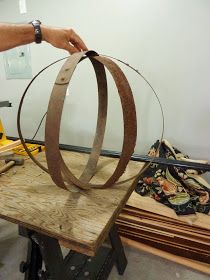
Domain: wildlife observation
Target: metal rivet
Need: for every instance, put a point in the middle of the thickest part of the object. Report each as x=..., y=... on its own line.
x=72, y=267
x=89, y=260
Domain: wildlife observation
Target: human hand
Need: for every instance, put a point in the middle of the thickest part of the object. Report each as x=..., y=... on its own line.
x=63, y=38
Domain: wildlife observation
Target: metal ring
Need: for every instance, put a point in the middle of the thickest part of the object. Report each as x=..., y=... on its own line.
x=53, y=120
x=19, y=115
x=56, y=166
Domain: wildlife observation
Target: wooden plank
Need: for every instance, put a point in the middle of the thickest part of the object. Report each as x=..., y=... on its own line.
x=148, y=204
x=81, y=219
x=166, y=232
x=161, y=237
x=196, y=265
x=166, y=228
x=168, y=247
x=139, y=212
x=8, y=147
x=170, y=223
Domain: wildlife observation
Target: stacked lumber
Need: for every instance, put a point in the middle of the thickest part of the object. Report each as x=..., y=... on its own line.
x=153, y=225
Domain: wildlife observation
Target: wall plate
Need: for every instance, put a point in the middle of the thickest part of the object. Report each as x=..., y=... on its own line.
x=17, y=63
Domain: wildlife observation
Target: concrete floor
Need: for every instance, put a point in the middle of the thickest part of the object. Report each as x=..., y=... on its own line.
x=141, y=266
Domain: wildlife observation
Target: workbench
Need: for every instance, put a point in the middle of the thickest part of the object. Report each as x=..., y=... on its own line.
x=80, y=220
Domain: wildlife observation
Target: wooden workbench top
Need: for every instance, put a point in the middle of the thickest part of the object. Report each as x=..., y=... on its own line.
x=81, y=219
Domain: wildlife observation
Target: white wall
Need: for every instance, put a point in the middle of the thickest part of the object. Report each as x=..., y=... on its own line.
x=167, y=40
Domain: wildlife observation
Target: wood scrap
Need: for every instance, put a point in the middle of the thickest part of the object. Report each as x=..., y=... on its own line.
x=196, y=265
x=146, y=222
x=9, y=147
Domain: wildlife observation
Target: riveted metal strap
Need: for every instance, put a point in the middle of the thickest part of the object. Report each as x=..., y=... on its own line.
x=53, y=122
x=56, y=165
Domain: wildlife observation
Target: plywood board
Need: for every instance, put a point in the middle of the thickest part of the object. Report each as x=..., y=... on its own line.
x=81, y=219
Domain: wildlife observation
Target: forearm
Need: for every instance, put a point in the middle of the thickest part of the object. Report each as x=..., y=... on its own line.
x=13, y=35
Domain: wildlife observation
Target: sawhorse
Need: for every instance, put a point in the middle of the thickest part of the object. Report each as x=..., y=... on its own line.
x=45, y=260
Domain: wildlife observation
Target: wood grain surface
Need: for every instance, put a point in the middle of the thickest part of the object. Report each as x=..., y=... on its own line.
x=196, y=265
x=79, y=219
x=148, y=204
x=150, y=224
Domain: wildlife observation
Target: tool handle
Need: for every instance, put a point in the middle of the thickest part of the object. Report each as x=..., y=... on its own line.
x=6, y=155
x=7, y=166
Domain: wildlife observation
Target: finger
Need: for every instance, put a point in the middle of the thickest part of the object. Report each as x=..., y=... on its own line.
x=78, y=42
x=71, y=49
x=78, y=47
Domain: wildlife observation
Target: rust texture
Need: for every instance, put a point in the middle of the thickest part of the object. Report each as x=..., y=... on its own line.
x=59, y=172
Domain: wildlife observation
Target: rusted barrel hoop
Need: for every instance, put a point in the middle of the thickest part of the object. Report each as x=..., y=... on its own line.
x=19, y=115
x=52, y=128
x=103, y=55
x=61, y=173
x=101, y=122
x=53, y=119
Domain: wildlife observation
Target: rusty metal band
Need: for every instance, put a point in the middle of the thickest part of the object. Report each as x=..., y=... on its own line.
x=56, y=165
x=53, y=122
x=130, y=129
x=146, y=165
x=101, y=122
x=19, y=116
x=92, y=162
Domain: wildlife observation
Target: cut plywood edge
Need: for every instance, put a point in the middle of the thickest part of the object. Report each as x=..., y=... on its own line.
x=196, y=265
x=150, y=205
